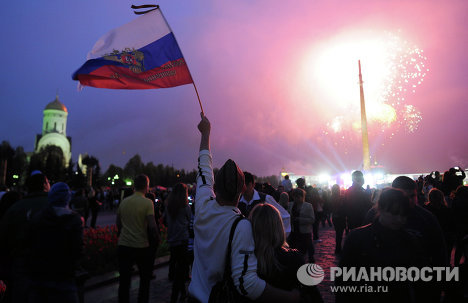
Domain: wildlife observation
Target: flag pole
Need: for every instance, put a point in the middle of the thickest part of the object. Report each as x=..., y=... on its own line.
x=193, y=81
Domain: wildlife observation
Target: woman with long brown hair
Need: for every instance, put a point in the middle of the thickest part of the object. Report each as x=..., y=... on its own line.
x=177, y=218
x=277, y=264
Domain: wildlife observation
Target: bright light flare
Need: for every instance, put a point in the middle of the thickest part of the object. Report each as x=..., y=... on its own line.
x=324, y=178
x=333, y=66
x=382, y=112
x=392, y=68
x=336, y=124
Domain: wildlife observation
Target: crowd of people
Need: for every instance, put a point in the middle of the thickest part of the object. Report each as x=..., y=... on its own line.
x=271, y=233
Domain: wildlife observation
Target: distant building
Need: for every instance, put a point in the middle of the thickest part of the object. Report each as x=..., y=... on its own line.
x=54, y=130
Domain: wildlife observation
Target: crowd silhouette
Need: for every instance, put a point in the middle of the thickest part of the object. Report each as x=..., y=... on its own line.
x=409, y=223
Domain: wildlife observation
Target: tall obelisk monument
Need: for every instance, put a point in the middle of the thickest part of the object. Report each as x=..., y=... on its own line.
x=365, y=139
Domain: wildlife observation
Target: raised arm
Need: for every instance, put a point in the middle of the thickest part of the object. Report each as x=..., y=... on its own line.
x=205, y=128
x=205, y=179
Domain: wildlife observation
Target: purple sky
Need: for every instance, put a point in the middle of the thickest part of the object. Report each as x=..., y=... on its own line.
x=248, y=60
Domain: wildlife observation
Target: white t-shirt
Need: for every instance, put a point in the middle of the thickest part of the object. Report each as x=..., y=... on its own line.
x=212, y=226
x=285, y=216
x=287, y=184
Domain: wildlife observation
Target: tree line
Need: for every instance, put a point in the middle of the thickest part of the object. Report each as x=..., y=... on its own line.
x=16, y=165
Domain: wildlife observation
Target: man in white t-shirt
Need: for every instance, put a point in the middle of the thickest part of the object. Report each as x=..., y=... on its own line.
x=287, y=184
x=250, y=198
x=214, y=216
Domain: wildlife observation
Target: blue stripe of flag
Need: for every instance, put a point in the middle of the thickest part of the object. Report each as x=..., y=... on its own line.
x=156, y=54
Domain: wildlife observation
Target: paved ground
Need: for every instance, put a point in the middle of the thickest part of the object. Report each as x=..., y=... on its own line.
x=325, y=257
x=160, y=291
x=105, y=217
x=161, y=286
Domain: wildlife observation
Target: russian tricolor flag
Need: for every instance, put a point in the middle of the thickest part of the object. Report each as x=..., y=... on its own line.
x=142, y=54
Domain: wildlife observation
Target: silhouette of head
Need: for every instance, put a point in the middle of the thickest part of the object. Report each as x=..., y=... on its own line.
x=59, y=195
x=141, y=183
x=393, y=207
x=38, y=183
x=358, y=178
x=436, y=197
x=300, y=182
x=408, y=185
x=229, y=183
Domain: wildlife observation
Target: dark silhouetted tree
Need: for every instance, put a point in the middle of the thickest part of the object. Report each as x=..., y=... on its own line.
x=91, y=165
x=50, y=161
x=6, y=155
x=18, y=167
x=134, y=167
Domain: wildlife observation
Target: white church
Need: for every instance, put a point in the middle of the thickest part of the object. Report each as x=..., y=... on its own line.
x=54, y=130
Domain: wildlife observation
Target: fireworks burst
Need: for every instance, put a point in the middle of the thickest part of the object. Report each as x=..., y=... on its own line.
x=393, y=68
x=409, y=69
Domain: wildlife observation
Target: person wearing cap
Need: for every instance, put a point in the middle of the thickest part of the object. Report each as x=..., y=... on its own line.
x=56, y=238
x=14, y=229
x=214, y=216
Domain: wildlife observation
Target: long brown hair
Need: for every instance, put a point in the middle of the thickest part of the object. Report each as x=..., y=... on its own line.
x=177, y=199
x=436, y=198
x=335, y=191
x=268, y=234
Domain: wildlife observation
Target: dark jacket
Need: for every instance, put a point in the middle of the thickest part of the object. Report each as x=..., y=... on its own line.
x=286, y=278
x=356, y=203
x=445, y=218
x=57, y=242
x=15, y=224
x=423, y=225
x=376, y=246
x=460, y=212
x=290, y=260
x=178, y=227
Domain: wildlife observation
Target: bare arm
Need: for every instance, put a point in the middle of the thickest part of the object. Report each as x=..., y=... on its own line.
x=205, y=128
x=205, y=178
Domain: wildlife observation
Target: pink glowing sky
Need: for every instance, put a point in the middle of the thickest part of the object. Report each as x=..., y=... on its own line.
x=248, y=60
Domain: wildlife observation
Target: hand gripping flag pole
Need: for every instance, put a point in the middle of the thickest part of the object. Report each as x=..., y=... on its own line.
x=142, y=54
